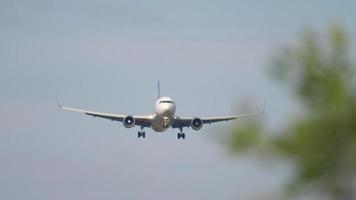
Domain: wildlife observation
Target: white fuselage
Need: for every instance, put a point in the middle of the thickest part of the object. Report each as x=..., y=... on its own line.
x=164, y=114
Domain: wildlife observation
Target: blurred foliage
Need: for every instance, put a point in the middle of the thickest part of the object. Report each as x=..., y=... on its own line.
x=322, y=142
x=247, y=137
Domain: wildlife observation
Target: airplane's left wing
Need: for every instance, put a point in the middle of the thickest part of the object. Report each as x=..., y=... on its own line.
x=144, y=121
x=180, y=122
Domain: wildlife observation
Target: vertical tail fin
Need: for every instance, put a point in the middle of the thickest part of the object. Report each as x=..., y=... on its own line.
x=158, y=90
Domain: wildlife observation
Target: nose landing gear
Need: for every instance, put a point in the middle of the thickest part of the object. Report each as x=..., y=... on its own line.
x=181, y=134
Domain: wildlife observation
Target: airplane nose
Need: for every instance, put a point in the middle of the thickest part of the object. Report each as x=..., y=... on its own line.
x=169, y=108
x=172, y=108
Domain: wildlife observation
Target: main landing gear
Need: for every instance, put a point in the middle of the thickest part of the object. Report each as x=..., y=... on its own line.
x=181, y=134
x=141, y=133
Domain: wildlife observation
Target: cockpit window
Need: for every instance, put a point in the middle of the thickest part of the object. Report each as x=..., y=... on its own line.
x=166, y=102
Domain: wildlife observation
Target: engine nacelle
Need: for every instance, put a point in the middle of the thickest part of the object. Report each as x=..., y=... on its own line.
x=129, y=121
x=196, y=124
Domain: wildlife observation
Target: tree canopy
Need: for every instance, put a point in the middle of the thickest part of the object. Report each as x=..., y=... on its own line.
x=322, y=142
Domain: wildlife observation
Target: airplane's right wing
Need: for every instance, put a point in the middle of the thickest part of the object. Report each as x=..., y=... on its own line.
x=143, y=121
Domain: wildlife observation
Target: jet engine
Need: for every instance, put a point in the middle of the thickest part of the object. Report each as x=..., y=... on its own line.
x=129, y=121
x=196, y=123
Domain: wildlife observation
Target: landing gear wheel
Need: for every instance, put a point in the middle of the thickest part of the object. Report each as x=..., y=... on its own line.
x=181, y=135
x=141, y=133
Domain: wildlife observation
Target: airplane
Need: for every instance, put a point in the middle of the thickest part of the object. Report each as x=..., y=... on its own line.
x=163, y=117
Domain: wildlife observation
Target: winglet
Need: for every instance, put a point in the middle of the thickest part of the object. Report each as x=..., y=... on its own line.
x=158, y=90
x=58, y=104
x=264, y=107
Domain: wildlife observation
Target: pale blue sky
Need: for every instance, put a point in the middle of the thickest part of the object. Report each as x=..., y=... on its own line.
x=107, y=56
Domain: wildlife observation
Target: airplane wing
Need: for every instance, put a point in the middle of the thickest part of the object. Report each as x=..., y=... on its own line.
x=180, y=122
x=144, y=121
